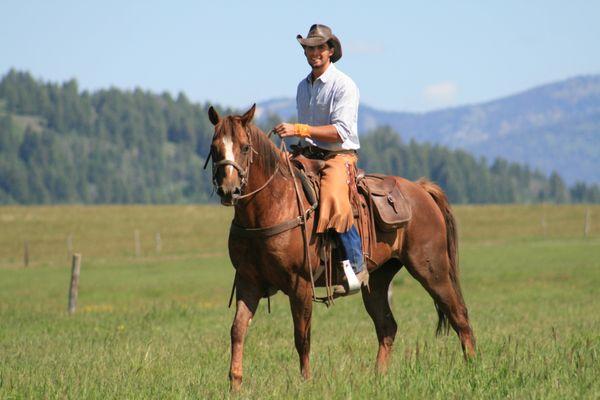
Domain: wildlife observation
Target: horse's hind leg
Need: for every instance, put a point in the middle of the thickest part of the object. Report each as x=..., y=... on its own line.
x=378, y=307
x=301, y=305
x=247, y=298
x=433, y=272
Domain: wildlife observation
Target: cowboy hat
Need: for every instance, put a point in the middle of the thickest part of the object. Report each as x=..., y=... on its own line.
x=319, y=34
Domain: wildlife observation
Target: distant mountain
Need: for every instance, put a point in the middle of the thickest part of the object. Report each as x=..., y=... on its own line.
x=550, y=127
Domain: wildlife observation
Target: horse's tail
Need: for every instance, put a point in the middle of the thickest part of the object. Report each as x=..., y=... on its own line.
x=443, y=204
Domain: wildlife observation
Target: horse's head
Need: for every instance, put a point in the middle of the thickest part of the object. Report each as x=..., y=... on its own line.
x=231, y=151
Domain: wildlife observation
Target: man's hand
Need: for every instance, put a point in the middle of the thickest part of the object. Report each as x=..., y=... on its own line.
x=285, y=130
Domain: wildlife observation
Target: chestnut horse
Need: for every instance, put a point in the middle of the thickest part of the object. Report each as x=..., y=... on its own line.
x=251, y=173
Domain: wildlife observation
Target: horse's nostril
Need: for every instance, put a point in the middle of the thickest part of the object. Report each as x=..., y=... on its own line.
x=220, y=191
x=237, y=190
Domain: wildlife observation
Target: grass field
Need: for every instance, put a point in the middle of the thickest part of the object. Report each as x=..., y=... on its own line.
x=157, y=326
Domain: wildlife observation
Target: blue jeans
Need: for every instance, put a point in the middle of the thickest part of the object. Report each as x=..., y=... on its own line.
x=351, y=248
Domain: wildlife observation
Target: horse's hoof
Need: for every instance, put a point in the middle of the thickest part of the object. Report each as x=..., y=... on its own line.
x=381, y=370
x=235, y=386
x=235, y=383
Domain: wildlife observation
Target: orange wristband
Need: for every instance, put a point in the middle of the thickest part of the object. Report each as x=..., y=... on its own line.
x=302, y=130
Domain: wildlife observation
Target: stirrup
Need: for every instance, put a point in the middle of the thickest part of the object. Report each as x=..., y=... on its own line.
x=351, y=279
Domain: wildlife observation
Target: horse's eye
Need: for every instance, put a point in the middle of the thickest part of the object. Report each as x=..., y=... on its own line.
x=245, y=148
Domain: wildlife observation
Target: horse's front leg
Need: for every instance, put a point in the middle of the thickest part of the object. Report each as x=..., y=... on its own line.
x=247, y=299
x=301, y=304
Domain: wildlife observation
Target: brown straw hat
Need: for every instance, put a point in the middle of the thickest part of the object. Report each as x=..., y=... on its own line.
x=319, y=34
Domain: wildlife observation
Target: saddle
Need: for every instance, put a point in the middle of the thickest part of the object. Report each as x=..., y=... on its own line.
x=378, y=203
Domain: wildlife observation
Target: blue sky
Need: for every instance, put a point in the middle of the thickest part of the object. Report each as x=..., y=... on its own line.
x=404, y=56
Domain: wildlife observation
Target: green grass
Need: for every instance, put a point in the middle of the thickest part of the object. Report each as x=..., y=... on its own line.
x=157, y=326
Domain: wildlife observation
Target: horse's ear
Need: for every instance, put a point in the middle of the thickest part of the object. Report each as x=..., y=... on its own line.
x=247, y=117
x=213, y=116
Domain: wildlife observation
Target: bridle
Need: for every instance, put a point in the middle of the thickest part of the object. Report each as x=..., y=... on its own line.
x=243, y=173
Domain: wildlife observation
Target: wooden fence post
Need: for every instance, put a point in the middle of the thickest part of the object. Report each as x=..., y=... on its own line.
x=587, y=224
x=26, y=253
x=74, y=288
x=158, y=242
x=544, y=224
x=136, y=239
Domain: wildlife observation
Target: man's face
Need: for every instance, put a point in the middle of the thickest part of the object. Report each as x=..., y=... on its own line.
x=318, y=56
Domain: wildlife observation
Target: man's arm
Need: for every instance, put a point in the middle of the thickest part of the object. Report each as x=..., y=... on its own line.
x=343, y=114
x=324, y=133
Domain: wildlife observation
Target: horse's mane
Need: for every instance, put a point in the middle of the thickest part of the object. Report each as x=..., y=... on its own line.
x=269, y=156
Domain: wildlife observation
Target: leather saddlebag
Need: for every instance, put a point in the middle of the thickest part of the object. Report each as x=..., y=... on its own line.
x=392, y=211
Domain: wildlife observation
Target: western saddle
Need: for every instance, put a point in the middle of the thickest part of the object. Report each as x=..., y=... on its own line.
x=377, y=202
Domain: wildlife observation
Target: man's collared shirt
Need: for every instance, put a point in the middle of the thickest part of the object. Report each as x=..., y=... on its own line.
x=332, y=99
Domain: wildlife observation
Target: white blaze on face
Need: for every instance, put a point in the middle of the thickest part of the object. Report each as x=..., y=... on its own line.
x=228, y=152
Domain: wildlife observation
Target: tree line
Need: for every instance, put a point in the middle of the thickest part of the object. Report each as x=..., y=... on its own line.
x=62, y=145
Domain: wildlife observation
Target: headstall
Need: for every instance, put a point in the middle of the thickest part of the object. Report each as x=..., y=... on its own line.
x=244, y=173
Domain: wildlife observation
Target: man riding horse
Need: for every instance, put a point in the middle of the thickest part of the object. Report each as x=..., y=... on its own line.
x=327, y=105
x=273, y=236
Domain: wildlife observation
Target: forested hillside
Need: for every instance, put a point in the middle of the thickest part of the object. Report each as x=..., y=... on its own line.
x=62, y=145
x=59, y=145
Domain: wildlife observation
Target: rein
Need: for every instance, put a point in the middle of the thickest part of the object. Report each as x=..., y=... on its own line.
x=276, y=229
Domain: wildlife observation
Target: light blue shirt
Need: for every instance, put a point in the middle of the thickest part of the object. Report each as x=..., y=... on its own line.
x=332, y=99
